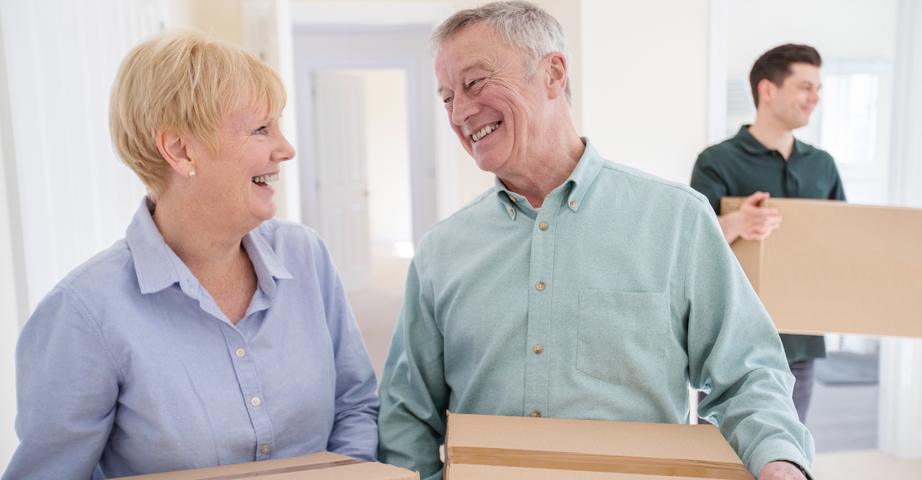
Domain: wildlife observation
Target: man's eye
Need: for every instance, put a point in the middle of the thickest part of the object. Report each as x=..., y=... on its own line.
x=446, y=101
x=473, y=82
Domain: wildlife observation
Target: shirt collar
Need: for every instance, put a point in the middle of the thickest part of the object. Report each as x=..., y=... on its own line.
x=754, y=147
x=158, y=267
x=578, y=183
x=265, y=262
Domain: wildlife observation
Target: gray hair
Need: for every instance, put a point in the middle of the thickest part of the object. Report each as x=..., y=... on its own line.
x=519, y=24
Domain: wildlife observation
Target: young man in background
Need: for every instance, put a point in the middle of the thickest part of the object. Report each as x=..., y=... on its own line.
x=764, y=159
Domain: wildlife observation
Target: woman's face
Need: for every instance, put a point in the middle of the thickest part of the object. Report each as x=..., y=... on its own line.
x=234, y=182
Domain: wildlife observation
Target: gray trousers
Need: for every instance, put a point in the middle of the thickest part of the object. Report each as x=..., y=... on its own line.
x=803, y=388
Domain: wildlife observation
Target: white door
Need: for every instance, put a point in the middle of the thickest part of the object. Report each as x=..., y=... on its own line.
x=342, y=187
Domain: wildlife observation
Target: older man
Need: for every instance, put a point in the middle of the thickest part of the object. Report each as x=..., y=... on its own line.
x=576, y=287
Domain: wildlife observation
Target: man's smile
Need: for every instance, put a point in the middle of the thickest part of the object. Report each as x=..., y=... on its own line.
x=485, y=131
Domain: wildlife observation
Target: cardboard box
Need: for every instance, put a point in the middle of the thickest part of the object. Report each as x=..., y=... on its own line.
x=513, y=448
x=837, y=268
x=318, y=466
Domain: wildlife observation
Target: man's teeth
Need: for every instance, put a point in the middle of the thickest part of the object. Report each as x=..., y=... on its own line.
x=265, y=178
x=485, y=131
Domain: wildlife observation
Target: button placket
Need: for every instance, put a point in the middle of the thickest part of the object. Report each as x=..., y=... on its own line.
x=250, y=388
x=540, y=313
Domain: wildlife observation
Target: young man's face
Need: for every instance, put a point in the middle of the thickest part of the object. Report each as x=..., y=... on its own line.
x=792, y=103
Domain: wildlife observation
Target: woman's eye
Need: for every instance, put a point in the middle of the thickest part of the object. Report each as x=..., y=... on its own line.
x=262, y=130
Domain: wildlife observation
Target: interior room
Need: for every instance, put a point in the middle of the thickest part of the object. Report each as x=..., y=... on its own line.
x=653, y=84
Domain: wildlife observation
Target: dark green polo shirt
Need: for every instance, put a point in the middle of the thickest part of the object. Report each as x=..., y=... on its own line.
x=741, y=166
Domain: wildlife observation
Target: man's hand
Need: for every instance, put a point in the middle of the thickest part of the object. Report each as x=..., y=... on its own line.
x=750, y=222
x=781, y=471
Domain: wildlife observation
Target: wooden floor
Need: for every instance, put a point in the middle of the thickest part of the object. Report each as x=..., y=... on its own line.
x=842, y=419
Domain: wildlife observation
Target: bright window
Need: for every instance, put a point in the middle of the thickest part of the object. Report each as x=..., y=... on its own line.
x=848, y=130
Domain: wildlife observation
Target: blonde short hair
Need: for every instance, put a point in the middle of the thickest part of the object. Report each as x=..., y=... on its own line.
x=186, y=80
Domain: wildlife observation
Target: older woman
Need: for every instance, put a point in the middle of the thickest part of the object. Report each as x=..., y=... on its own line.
x=213, y=333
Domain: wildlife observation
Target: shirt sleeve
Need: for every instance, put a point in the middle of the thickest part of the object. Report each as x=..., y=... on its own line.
x=837, y=192
x=414, y=395
x=67, y=388
x=735, y=354
x=707, y=181
x=355, y=429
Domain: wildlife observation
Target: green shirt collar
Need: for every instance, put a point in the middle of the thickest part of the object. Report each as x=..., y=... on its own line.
x=577, y=184
x=754, y=147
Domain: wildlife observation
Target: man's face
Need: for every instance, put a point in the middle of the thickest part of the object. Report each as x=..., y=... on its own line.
x=494, y=109
x=793, y=102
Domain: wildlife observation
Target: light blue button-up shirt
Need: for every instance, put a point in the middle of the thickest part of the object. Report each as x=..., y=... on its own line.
x=604, y=304
x=129, y=364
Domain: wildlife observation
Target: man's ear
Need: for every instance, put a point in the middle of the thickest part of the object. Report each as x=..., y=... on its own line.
x=174, y=148
x=766, y=91
x=555, y=74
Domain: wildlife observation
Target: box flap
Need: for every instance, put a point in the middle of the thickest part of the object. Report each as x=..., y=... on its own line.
x=483, y=472
x=590, y=445
x=317, y=466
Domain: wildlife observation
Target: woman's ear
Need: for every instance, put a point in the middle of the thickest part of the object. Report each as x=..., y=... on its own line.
x=175, y=150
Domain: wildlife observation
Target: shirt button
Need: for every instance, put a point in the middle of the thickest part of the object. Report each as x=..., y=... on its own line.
x=240, y=352
x=511, y=199
x=542, y=226
x=540, y=286
x=573, y=204
x=535, y=413
x=538, y=349
x=511, y=212
x=266, y=449
x=255, y=401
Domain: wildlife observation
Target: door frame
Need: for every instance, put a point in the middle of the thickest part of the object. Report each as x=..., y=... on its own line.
x=304, y=74
x=389, y=16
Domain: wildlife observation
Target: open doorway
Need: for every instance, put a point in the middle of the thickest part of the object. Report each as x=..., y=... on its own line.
x=388, y=154
x=362, y=183
x=363, y=190
x=344, y=74
x=409, y=171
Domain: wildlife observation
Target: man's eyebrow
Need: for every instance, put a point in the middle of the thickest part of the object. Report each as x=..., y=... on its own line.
x=464, y=71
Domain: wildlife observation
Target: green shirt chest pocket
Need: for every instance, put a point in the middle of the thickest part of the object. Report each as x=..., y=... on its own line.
x=622, y=336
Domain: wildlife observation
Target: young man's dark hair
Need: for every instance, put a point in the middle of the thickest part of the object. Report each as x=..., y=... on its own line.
x=775, y=65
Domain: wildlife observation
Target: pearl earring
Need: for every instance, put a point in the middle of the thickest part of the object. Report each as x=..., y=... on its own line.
x=191, y=173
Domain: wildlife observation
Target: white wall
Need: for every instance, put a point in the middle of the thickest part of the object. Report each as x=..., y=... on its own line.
x=74, y=197
x=388, y=154
x=841, y=30
x=645, y=82
x=9, y=329
x=837, y=28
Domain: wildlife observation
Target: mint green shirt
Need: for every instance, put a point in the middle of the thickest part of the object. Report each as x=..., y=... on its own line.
x=605, y=304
